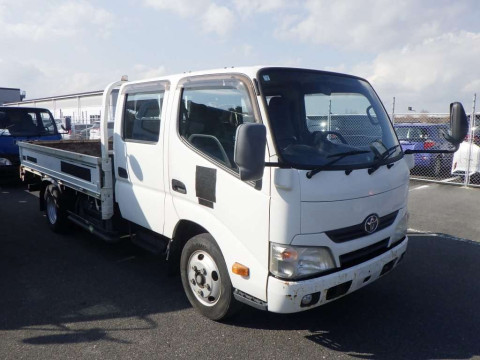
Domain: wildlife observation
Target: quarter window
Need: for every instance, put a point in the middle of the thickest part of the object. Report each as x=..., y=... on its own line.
x=210, y=114
x=142, y=116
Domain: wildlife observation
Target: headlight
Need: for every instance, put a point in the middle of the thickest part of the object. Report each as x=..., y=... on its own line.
x=400, y=229
x=292, y=262
x=5, y=162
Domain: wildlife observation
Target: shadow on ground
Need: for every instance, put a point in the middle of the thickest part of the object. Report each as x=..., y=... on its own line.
x=58, y=289
x=53, y=279
x=428, y=308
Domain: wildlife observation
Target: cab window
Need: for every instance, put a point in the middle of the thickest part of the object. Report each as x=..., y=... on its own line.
x=142, y=116
x=210, y=114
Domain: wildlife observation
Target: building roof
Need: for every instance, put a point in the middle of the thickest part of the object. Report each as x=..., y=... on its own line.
x=88, y=93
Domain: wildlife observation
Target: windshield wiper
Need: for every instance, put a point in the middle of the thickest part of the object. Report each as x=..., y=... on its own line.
x=381, y=157
x=339, y=156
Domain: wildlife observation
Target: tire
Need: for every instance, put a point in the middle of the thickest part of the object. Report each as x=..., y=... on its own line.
x=437, y=167
x=206, y=280
x=55, y=213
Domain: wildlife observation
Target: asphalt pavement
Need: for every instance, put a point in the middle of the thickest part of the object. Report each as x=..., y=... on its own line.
x=75, y=297
x=444, y=209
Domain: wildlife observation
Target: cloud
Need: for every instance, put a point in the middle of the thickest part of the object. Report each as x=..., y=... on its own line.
x=259, y=6
x=141, y=71
x=369, y=25
x=184, y=8
x=213, y=18
x=62, y=19
x=218, y=19
x=428, y=75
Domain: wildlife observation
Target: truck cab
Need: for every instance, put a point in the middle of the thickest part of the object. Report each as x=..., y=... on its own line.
x=332, y=196
x=22, y=124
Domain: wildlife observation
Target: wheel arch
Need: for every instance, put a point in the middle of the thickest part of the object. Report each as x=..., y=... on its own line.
x=183, y=231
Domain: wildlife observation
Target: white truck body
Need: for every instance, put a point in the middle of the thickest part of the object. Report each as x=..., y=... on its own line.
x=162, y=180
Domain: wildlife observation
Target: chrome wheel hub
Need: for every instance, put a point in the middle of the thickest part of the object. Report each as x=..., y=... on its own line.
x=204, y=278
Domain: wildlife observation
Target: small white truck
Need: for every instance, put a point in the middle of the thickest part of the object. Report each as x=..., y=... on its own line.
x=281, y=188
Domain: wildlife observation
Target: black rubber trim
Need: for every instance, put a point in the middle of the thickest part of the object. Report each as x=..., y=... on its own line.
x=206, y=184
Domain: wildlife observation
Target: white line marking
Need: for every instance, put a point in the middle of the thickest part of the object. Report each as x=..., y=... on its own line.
x=418, y=231
x=451, y=179
x=413, y=232
x=420, y=187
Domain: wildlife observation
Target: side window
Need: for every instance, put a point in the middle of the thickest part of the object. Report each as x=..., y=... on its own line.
x=33, y=116
x=210, y=115
x=47, y=122
x=141, y=120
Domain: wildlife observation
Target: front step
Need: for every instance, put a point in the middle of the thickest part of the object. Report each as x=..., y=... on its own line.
x=110, y=237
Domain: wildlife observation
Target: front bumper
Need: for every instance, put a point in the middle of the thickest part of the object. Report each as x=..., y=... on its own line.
x=286, y=296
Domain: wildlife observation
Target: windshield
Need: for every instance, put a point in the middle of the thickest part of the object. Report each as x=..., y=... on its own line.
x=26, y=122
x=317, y=116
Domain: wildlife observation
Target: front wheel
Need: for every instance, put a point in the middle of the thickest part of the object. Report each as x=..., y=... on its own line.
x=205, y=278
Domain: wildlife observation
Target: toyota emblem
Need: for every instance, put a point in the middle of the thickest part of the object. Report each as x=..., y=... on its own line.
x=371, y=223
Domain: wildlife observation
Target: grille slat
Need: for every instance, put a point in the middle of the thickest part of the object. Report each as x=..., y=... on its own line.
x=357, y=231
x=356, y=257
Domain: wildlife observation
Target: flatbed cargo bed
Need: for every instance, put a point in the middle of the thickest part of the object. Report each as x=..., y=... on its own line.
x=75, y=163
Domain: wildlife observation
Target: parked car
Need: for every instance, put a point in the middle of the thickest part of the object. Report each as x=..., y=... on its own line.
x=422, y=136
x=94, y=131
x=467, y=158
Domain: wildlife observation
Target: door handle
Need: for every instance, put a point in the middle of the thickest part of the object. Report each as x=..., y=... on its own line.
x=122, y=172
x=178, y=186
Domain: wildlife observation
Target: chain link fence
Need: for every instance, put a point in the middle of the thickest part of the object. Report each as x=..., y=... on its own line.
x=423, y=131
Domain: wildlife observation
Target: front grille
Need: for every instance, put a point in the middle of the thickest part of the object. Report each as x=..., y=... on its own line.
x=359, y=256
x=358, y=231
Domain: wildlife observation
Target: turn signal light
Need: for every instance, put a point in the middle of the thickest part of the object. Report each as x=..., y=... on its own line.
x=240, y=269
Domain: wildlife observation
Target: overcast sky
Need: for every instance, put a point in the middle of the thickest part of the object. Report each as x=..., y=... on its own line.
x=426, y=53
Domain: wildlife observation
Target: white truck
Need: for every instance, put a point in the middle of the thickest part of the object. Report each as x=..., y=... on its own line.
x=281, y=188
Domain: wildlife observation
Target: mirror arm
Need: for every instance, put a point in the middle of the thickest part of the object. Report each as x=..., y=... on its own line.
x=277, y=164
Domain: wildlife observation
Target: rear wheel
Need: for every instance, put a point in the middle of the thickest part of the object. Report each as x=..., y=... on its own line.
x=205, y=278
x=55, y=213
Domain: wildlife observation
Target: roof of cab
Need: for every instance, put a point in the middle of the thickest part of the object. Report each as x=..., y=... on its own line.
x=250, y=71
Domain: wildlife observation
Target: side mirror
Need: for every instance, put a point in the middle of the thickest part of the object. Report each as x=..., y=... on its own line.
x=250, y=145
x=68, y=124
x=458, y=124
